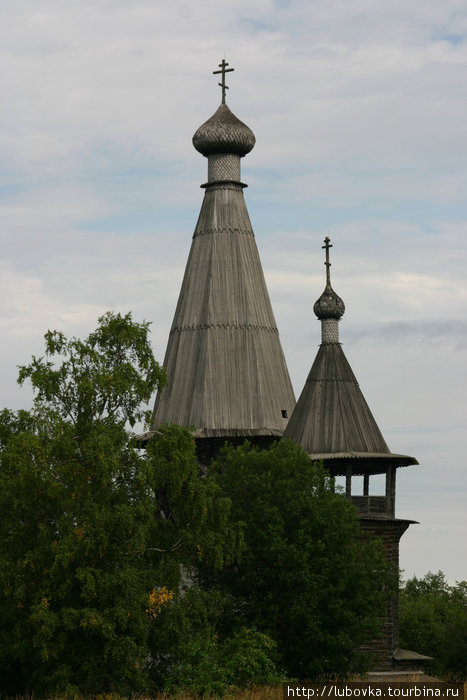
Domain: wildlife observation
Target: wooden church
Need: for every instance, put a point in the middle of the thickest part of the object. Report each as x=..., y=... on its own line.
x=227, y=374
x=226, y=371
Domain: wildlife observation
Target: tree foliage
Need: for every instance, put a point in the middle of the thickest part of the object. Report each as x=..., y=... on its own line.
x=205, y=657
x=307, y=578
x=94, y=534
x=124, y=571
x=105, y=378
x=433, y=621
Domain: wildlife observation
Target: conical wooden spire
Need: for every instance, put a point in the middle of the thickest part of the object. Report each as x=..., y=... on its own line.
x=227, y=375
x=332, y=420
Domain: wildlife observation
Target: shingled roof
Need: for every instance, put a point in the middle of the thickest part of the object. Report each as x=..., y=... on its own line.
x=226, y=371
x=332, y=420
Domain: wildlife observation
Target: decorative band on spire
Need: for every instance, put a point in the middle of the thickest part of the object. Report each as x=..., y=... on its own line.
x=329, y=330
x=223, y=167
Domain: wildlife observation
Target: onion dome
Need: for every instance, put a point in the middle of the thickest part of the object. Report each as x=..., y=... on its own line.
x=224, y=133
x=329, y=305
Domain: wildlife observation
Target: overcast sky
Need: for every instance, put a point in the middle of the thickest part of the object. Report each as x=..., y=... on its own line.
x=360, y=114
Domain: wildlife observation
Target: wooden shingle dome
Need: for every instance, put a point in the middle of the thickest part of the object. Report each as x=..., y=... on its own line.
x=224, y=133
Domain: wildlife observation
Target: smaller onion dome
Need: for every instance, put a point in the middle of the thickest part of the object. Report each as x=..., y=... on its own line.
x=224, y=133
x=329, y=305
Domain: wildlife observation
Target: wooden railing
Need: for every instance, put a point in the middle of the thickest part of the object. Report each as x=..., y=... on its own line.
x=376, y=506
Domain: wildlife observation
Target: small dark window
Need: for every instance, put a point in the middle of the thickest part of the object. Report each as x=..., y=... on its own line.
x=284, y=413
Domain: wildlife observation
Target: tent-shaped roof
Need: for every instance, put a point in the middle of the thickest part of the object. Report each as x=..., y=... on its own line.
x=227, y=375
x=332, y=420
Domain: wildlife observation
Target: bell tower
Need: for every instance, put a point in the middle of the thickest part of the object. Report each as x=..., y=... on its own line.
x=333, y=423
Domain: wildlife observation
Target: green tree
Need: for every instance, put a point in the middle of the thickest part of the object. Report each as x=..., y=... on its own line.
x=307, y=577
x=103, y=379
x=94, y=534
x=203, y=657
x=433, y=621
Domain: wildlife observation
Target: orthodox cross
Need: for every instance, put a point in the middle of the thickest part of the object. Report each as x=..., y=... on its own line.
x=223, y=70
x=327, y=245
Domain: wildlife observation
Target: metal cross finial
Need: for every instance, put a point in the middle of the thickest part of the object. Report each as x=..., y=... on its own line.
x=327, y=245
x=223, y=70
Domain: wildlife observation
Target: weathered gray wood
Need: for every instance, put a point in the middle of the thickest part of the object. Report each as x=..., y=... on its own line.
x=366, y=484
x=331, y=414
x=374, y=506
x=391, y=490
x=348, y=480
x=331, y=420
x=227, y=374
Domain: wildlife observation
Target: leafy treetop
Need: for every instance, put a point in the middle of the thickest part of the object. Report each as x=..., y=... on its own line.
x=106, y=377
